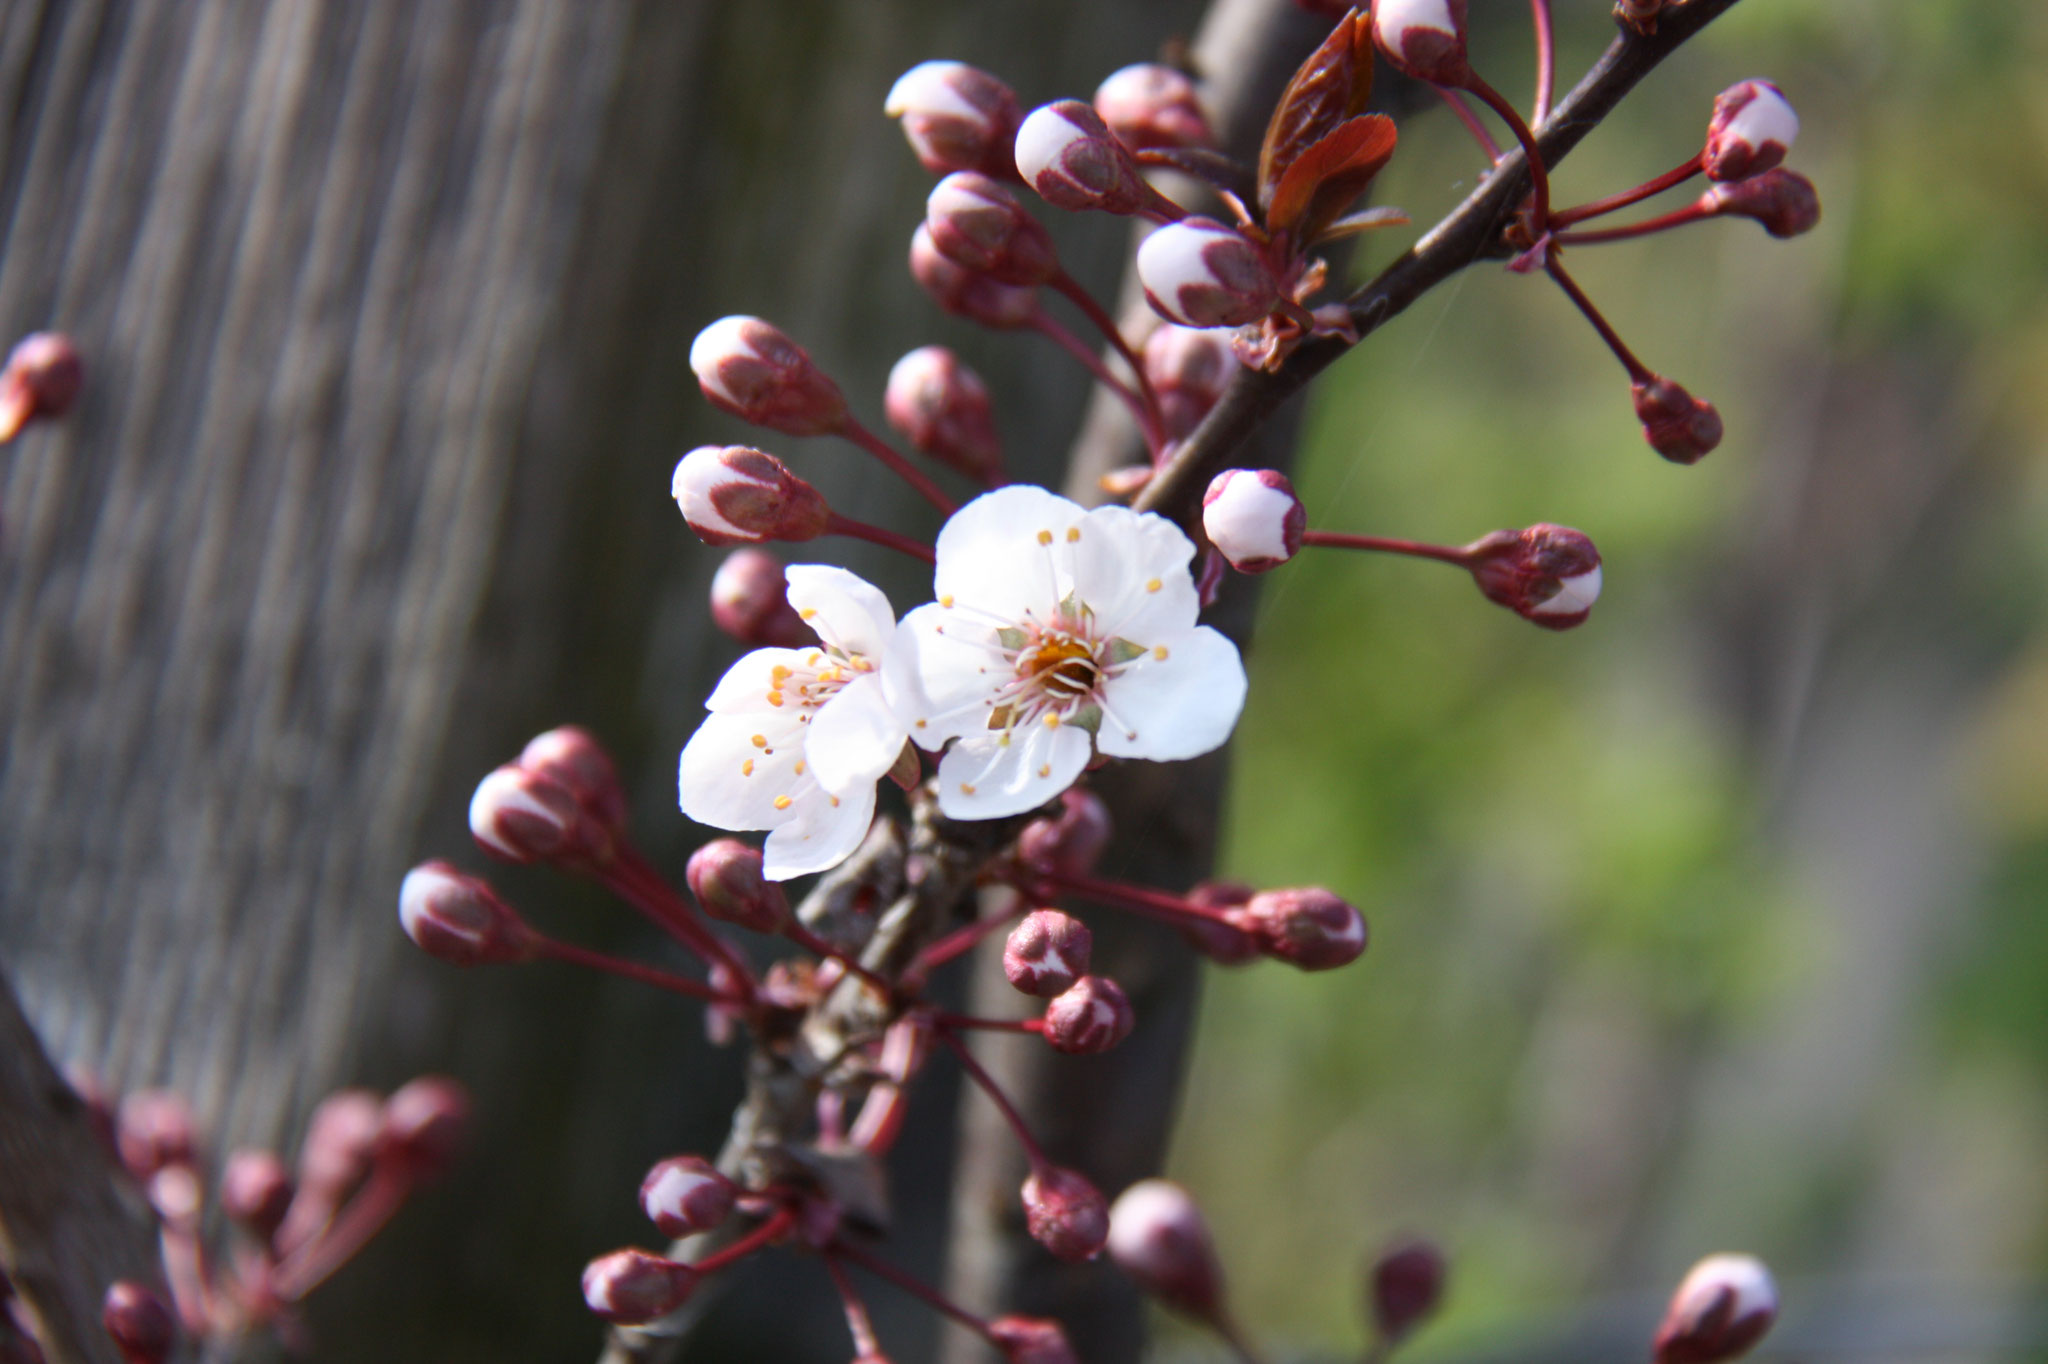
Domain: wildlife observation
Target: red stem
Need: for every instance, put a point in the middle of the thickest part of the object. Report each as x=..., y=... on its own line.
x=1663, y=222
x=954, y=944
x=903, y=468
x=876, y=535
x=1471, y=121
x=1080, y=350
x=1677, y=175
x=818, y=947
x=1539, y=177
x=1638, y=372
x=1032, y=1151
x=912, y=1285
x=1150, y=419
x=644, y=887
x=1138, y=899
x=858, y=1325
x=363, y=1217
x=1546, y=60
x=969, y=1021
x=1337, y=539
x=782, y=1219
x=556, y=950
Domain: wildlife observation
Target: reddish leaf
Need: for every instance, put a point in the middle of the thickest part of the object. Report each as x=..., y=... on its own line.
x=1331, y=86
x=1329, y=175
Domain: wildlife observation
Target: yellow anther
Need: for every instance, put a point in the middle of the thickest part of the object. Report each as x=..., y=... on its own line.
x=834, y=800
x=1160, y=653
x=747, y=768
x=807, y=613
x=799, y=769
x=1045, y=771
x=861, y=665
x=782, y=802
x=966, y=789
x=760, y=741
x=920, y=724
x=774, y=698
x=947, y=601
x=1045, y=537
x=778, y=674
x=1152, y=585
x=1073, y=535
x=1052, y=720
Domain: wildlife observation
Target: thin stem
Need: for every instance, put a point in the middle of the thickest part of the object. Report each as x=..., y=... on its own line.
x=1337, y=539
x=878, y=535
x=1032, y=1151
x=911, y=1284
x=954, y=944
x=858, y=1325
x=363, y=1217
x=1546, y=60
x=1145, y=900
x=1638, y=372
x=1677, y=175
x=644, y=887
x=901, y=467
x=1081, y=351
x=780, y=1221
x=555, y=950
x=969, y=1021
x=1463, y=111
x=1539, y=176
x=810, y=942
x=1153, y=424
x=1664, y=222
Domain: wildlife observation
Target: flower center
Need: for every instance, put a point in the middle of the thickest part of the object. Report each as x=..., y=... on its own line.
x=1063, y=667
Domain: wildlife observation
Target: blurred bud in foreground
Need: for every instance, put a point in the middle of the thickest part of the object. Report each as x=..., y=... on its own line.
x=571, y=755
x=1032, y=1340
x=154, y=1129
x=341, y=1140
x=1549, y=575
x=459, y=919
x=956, y=117
x=726, y=876
x=1307, y=927
x=426, y=1122
x=1253, y=517
x=750, y=602
x=1065, y=1213
x=256, y=1191
x=969, y=293
x=1189, y=368
x=1047, y=953
x=1784, y=202
x=1722, y=1308
x=1677, y=425
x=942, y=408
x=737, y=495
x=1149, y=105
x=1092, y=1017
x=1752, y=127
x=1201, y=273
x=1406, y=1284
x=684, y=1195
x=1423, y=38
x=1068, y=154
x=522, y=816
x=41, y=380
x=631, y=1287
x=1070, y=842
x=1158, y=1236
x=751, y=368
x=141, y=1326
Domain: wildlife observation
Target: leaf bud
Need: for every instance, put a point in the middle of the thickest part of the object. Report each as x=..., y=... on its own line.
x=750, y=601
x=969, y=293
x=956, y=117
x=1423, y=38
x=684, y=1195
x=426, y=1121
x=1784, y=202
x=1218, y=941
x=1722, y=1308
x=1406, y=1284
x=726, y=877
x=1150, y=105
x=1640, y=16
x=631, y=1287
x=154, y=1129
x=1065, y=1213
x=1548, y=575
x=1032, y=1340
x=1253, y=517
x=141, y=1326
x=1047, y=953
x=737, y=495
x=256, y=1191
x=1752, y=128
x=942, y=408
x=523, y=816
x=1068, y=154
x=1200, y=273
x=752, y=369
x=41, y=379
x=1092, y=1017
x=1307, y=927
x=1158, y=1236
x=1677, y=425
x=457, y=918
x=979, y=225
x=571, y=755
x=1070, y=842
x=1189, y=368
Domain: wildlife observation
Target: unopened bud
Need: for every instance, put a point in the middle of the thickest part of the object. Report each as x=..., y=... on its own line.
x=1423, y=38
x=684, y=1195
x=750, y=602
x=1677, y=425
x=571, y=755
x=42, y=379
x=978, y=224
x=726, y=877
x=1065, y=1213
x=141, y=1326
x=969, y=293
x=942, y=408
x=956, y=117
x=1047, y=953
x=1723, y=1308
x=1200, y=273
x=1032, y=1340
x=1149, y=105
x=523, y=816
x=1070, y=842
x=752, y=369
x=1306, y=927
x=1752, y=127
x=1158, y=1236
x=1068, y=154
x=1189, y=368
x=154, y=1129
x=1639, y=15
x=1784, y=201
x=1549, y=575
x=1090, y=1018
x=631, y=1287
x=256, y=1191
x=1406, y=1285
x=426, y=1121
x=459, y=919
x=1220, y=942
x=341, y=1141
x=1253, y=517
x=737, y=495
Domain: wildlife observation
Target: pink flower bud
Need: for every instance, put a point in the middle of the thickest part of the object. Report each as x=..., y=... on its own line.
x=751, y=369
x=1068, y=154
x=571, y=755
x=1407, y=1283
x=737, y=495
x=1200, y=273
x=1254, y=518
x=1157, y=1236
x=522, y=816
x=1677, y=425
x=459, y=919
x=1189, y=369
x=1065, y=1213
x=684, y=1195
x=1149, y=105
x=1218, y=941
x=1752, y=127
x=426, y=1122
x=1032, y=1340
x=750, y=602
x=956, y=117
x=1784, y=201
x=42, y=379
x=1047, y=953
x=256, y=1191
x=942, y=408
x=1306, y=927
x=154, y=1130
x=141, y=1326
x=725, y=876
x=1547, y=574
x=969, y=293
x=1070, y=842
x=1423, y=38
x=1092, y=1017
x=631, y=1287
x=1722, y=1309
x=341, y=1141
x=979, y=225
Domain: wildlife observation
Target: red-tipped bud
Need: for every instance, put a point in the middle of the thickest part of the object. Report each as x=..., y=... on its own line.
x=154, y=1130
x=459, y=919
x=631, y=1287
x=737, y=495
x=522, y=816
x=256, y=1191
x=1149, y=105
x=956, y=117
x=1031, y=1340
x=572, y=756
x=1218, y=941
x=1065, y=1213
x=1070, y=842
x=42, y=379
x=1547, y=574
x=426, y=1122
x=1406, y=1285
x=1306, y=927
x=725, y=876
x=142, y=1327
x=752, y=369
x=1677, y=425
x=1722, y=1309
x=1189, y=369
x=750, y=602
x=1090, y=1018
x=1423, y=38
x=1200, y=273
x=1752, y=127
x=1047, y=953
x=341, y=1141
x=684, y=1195
x=942, y=407
x=1784, y=201
x=1157, y=1235
x=1253, y=517
x=969, y=293
x=1068, y=154
x=979, y=225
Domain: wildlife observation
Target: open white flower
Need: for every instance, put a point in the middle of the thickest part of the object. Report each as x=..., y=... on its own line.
x=1058, y=633
x=797, y=738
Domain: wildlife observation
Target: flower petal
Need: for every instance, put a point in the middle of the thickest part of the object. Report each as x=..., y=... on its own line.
x=982, y=777
x=823, y=832
x=941, y=675
x=1179, y=705
x=848, y=612
x=1131, y=568
x=745, y=688
x=854, y=738
x=1007, y=552
x=734, y=768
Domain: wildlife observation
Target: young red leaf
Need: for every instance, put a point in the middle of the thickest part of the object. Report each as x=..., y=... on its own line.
x=1329, y=175
x=1331, y=86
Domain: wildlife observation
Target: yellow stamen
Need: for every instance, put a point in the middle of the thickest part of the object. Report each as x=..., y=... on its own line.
x=782, y=802
x=774, y=698
x=799, y=769
x=747, y=768
x=965, y=789
x=1052, y=720
x=807, y=613
x=1160, y=653
x=1152, y=585
x=1073, y=535
x=760, y=741
x=778, y=674
x=947, y=601
x=1045, y=537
